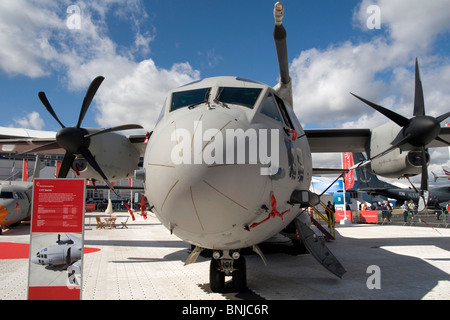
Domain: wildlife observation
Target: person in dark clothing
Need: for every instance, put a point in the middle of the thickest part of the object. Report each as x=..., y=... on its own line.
x=386, y=212
x=437, y=208
x=405, y=210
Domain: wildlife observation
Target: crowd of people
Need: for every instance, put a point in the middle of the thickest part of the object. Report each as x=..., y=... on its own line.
x=409, y=209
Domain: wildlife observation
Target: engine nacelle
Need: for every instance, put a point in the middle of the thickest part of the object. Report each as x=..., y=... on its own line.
x=396, y=163
x=114, y=153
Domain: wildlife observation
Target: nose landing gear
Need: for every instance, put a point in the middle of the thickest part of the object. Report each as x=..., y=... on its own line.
x=223, y=264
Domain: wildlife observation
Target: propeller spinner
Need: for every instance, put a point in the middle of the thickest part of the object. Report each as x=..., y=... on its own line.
x=76, y=140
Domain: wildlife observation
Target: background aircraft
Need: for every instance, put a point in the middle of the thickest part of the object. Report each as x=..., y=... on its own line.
x=370, y=183
x=229, y=206
x=64, y=253
x=15, y=202
x=446, y=172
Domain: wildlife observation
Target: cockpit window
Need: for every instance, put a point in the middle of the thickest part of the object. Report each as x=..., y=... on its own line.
x=189, y=98
x=246, y=97
x=270, y=109
x=6, y=195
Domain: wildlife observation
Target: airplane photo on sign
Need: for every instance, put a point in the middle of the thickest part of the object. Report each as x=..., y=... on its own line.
x=228, y=164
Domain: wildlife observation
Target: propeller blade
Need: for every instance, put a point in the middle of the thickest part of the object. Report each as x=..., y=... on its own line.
x=90, y=93
x=424, y=178
x=49, y=108
x=442, y=140
x=66, y=164
x=423, y=199
x=398, y=119
x=91, y=160
x=116, y=128
x=419, y=104
x=443, y=117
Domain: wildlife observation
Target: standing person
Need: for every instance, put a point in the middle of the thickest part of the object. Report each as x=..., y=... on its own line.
x=447, y=209
x=437, y=208
x=386, y=212
x=405, y=210
x=330, y=213
x=411, y=207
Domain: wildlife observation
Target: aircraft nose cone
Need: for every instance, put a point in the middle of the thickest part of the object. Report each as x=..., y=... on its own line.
x=198, y=199
x=35, y=260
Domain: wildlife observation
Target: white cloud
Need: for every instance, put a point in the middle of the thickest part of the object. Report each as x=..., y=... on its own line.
x=38, y=43
x=380, y=70
x=138, y=95
x=31, y=121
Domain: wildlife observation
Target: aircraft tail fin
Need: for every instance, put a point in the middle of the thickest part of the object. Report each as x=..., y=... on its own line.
x=435, y=176
x=367, y=180
x=446, y=170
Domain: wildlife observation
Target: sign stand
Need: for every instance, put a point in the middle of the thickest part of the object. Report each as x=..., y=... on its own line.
x=56, y=240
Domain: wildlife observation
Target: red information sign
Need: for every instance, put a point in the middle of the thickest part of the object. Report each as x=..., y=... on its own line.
x=56, y=244
x=58, y=205
x=368, y=216
x=340, y=215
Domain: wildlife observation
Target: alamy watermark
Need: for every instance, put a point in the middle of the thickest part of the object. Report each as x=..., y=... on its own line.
x=73, y=21
x=374, y=280
x=374, y=19
x=242, y=147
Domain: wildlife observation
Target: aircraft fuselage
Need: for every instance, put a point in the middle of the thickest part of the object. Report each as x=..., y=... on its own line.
x=222, y=147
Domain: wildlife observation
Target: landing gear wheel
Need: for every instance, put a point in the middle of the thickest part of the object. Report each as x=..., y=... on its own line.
x=239, y=275
x=216, y=277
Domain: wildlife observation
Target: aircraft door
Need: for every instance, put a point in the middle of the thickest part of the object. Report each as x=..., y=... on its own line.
x=296, y=159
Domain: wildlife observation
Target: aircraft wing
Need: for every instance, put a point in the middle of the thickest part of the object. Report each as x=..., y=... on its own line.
x=338, y=140
x=353, y=140
x=19, y=133
x=76, y=240
x=16, y=145
x=46, y=146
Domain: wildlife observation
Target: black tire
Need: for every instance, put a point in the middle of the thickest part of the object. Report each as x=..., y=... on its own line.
x=239, y=275
x=216, y=277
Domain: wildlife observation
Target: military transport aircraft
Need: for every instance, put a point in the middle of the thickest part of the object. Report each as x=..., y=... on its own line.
x=15, y=202
x=65, y=252
x=228, y=164
x=370, y=183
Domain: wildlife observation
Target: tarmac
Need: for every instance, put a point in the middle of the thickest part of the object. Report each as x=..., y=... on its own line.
x=146, y=262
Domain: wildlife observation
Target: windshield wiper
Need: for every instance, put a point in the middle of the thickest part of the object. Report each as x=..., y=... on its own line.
x=192, y=106
x=216, y=99
x=223, y=104
x=206, y=100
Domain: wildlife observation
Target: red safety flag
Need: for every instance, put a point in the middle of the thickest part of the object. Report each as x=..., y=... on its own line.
x=129, y=210
x=274, y=213
x=25, y=170
x=349, y=177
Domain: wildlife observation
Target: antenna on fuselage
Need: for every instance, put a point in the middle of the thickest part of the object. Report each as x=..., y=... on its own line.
x=284, y=87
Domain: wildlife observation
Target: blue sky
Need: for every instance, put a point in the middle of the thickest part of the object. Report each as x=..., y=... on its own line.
x=145, y=48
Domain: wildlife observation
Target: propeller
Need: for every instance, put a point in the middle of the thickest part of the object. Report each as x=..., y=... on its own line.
x=76, y=140
x=417, y=131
